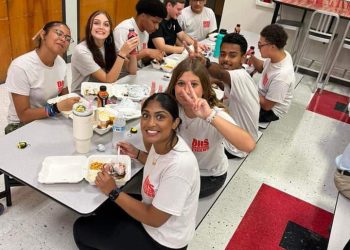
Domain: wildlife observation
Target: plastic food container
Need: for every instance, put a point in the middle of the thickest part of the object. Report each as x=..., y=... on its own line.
x=73, y=169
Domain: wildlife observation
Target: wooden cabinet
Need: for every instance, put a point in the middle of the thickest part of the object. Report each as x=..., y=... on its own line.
x=119, y=10
x=19, y=22
x=5, y=44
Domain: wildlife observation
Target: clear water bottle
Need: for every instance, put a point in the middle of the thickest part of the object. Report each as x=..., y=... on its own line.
x=119, y=129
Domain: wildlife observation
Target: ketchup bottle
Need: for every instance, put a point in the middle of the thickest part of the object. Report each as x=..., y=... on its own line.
x=132, y=34
x=102, y=95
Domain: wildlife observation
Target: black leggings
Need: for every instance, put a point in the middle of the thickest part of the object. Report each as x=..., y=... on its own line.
x=267, y=116
x=112, y=228
x=211, y=184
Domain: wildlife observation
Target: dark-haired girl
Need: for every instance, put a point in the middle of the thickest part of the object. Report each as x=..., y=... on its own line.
x=38, y=76
x=96, y=58
x=165, y=218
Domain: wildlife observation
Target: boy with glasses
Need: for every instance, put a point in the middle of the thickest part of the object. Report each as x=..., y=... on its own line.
x=197, y=20
x=277, y=82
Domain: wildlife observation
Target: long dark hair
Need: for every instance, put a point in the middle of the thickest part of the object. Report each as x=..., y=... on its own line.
x=168, y=103
x=198, y=69
x=110, y=50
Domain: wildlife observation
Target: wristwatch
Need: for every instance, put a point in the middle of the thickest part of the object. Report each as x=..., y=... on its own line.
x=113, y=195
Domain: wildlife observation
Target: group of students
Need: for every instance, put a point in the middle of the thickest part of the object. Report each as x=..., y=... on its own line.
x=186, y=131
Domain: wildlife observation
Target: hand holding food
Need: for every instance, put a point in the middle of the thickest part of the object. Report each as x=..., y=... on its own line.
x=105, y=182
x=67, y=104
x=128, y=149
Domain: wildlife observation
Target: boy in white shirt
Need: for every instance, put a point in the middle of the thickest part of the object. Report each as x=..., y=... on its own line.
x=149, y=15
x=277, y=82
x=197, y=20
x=241, y=93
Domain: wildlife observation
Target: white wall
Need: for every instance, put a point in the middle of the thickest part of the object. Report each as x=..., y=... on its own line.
x=72, y=22
x=254, y=18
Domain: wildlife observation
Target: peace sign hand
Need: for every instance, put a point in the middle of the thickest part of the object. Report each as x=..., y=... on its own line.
x=199, y=106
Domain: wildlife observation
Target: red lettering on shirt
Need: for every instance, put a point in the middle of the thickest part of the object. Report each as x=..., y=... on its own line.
x=200, y=145
x=148, y=187
x=60, y=85
x=206, y=24
x=265, y=80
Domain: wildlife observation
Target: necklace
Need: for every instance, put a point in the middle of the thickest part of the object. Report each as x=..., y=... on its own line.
x=169, y=24
x=155, y=159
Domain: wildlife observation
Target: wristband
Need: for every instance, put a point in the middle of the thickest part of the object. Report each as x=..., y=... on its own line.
x=138, y=154
x=122, y=57
x=211, y=116
x=113, y=195
x=49, y=109
x=54, y=106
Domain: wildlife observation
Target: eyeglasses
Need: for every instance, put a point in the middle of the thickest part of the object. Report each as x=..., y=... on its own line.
x=260, y=45
x=61, y=34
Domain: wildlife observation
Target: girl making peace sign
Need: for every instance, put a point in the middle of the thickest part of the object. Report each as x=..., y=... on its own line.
x=205, y=124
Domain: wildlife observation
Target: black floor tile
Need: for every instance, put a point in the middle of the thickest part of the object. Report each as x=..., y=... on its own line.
x=341, y=107
x=296, y=237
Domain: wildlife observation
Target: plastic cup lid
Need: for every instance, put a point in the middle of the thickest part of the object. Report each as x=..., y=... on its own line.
x=80, y=109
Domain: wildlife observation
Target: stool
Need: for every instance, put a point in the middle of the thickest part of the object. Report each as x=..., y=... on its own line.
x=296, y=27
x=319, y=30
x=344, y=44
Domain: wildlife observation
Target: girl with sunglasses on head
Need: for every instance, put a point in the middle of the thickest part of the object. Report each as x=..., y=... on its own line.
x=38, y=76
x=96, y=59
x=165, y=218
x=205, y=126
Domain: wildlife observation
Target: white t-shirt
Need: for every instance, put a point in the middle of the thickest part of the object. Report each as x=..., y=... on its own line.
x=195, y=25
x=242, y=100
x=29, y=76
x=171, y=183
x=277, y=84
x=83, y=65
x=121, y=32
x=206, y=143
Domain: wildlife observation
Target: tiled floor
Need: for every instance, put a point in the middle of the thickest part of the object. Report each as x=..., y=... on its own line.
x=295, y=154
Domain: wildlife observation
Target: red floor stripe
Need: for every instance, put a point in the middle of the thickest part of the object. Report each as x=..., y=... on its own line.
x=324, y=104
x=264, y=223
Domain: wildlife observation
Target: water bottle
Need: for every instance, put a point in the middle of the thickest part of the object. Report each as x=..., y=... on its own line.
x=119, y=129
x=221, y=35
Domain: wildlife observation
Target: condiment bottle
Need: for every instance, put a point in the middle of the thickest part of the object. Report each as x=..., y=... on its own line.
x=250, y=52
x=102, y=96
x=132, y=34
x=238, y=28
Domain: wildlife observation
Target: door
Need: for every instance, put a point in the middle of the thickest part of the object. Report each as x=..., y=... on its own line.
x=119, y=10
x=5, y=44
x=21, y=21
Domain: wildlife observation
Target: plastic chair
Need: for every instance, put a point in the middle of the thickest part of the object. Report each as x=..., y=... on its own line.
x=319, y=30
x=296, y=27
x=344, y=44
